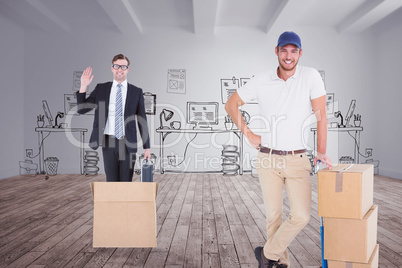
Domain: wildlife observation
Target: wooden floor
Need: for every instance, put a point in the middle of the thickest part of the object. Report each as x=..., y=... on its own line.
x=203, y=221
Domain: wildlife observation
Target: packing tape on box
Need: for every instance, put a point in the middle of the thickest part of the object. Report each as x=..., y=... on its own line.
x=349, y=265
x=339, y=179
x=339, y=182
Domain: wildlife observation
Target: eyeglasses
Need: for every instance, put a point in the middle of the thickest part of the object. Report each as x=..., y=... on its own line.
x=123, y=67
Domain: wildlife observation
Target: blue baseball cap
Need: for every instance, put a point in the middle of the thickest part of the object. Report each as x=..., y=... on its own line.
x=289, y=38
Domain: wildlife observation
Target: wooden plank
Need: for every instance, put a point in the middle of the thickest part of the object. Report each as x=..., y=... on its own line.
x=178, y=247
x=137, y=257
x=203, y=220
x=100, y=257
x=224, y=236
x=245, y=251
x=118, y=258
x=193, y=255
x=209, y=237
x=210, y=260
x=228, y=256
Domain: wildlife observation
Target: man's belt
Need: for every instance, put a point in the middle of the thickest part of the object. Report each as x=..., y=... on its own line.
x=269, y=150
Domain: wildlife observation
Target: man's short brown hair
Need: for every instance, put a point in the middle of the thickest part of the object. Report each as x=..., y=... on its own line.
x=121, y=57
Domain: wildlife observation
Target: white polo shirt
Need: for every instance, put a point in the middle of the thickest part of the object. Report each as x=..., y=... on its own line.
x=110, y=122
x=284, y=106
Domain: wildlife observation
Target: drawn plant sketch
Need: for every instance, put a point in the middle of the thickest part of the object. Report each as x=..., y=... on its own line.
x=176, y=79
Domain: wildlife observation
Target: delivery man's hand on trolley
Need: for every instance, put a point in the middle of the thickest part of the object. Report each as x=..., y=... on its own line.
x=324, y=159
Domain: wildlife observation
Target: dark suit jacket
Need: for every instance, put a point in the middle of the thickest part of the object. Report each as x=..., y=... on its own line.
x=134, y=110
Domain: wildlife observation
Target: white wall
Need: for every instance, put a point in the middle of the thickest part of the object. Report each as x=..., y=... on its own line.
x=12, y=100
x=388, y=94
x=51, y=60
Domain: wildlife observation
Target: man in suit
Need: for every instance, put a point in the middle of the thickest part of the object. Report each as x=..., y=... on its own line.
x=117, y=105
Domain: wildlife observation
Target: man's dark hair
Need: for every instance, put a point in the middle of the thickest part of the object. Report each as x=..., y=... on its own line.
x=121, y=57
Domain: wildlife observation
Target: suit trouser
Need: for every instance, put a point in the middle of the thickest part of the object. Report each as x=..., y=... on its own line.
x=118, y=161
x=293, y=171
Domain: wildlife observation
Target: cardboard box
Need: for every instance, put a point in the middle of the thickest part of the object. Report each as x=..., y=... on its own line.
x=124, y=214
x=373, y=262
x=351, y=240
x=345, y=191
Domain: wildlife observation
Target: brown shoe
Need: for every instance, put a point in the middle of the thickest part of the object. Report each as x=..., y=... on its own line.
x=263, y=262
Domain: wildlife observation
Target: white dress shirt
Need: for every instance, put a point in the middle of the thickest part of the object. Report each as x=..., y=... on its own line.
x=110, y=122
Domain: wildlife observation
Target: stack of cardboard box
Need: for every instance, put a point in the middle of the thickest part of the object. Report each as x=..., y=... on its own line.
x=345, y=200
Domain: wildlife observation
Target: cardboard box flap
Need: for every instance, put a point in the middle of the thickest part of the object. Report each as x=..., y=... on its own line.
x=361, y=168
x=373, y=209
x=124, y=191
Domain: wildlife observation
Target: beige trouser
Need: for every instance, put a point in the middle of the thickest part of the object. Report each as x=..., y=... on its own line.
x=274, y=171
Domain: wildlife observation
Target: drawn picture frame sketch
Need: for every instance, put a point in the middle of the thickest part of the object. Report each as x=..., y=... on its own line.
x=322, y=73
x=228, y=87
x=150, y=103
x=243, y=81
x=70, y=105
x=330, y=102
x=77, y=80
x=176, y=80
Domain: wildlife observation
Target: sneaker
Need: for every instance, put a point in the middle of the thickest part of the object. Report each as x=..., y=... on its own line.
x=263, y=262
x=282, y=265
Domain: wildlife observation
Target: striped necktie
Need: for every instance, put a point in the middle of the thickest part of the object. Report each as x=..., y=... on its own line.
x=118, y=124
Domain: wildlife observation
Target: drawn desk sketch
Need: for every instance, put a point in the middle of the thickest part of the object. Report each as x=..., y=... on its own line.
x=176, y=79
x=47, y=125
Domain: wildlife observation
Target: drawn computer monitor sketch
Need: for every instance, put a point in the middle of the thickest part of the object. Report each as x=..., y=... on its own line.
x=48, y=115
x=350, y=112
x=202, y=114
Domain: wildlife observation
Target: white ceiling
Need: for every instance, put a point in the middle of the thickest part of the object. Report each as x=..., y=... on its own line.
x=196, y=16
